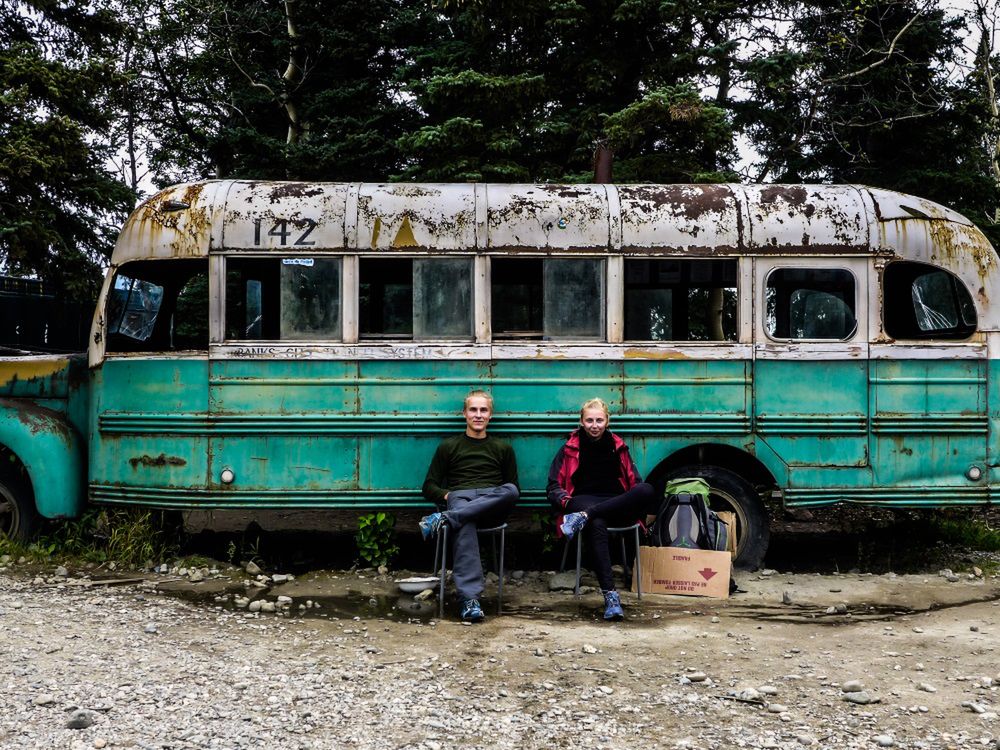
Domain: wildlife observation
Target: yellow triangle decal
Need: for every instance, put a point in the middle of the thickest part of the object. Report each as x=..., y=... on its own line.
x=404, y=237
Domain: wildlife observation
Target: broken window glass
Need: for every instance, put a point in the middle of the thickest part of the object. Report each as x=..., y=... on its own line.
x=924, y=302
x=158, y=305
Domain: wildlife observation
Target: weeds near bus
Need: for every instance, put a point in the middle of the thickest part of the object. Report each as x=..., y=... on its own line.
x=127, y=536
x=548, y=528
x=967, y=533
x=375, y=538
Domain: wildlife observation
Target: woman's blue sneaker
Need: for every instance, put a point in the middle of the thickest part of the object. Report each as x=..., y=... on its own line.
x=613, y=606
x=572, y=523
x=429, y=525
x=472, y=611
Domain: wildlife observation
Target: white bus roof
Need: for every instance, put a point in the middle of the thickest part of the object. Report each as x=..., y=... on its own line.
x=196, y=219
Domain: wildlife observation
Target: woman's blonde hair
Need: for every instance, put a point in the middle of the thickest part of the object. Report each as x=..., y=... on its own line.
x=595, y=403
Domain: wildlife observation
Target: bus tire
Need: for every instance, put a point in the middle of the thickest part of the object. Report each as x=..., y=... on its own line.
x=19, y=519
x=731, y=492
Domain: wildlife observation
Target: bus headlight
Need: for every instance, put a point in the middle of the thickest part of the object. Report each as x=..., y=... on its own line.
x=227, y=476
x=974, y=473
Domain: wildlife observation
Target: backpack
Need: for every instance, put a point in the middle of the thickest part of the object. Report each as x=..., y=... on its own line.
x=685, y=520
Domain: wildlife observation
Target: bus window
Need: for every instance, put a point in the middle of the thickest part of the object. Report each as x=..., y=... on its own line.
x=158, y=306
x=680, y=300
x=924, y=302
x=810, y=303
x=548, y=298
x=284, y=299
x=310, y=298
x=420, y=299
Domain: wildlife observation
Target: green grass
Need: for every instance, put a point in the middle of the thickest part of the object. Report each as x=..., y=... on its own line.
x=968, y=533
x=128, y=536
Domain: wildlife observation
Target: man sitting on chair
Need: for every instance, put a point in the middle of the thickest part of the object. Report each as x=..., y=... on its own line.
x=474, y=475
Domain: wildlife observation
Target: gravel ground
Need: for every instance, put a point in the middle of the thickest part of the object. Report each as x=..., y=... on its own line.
x=777, y=667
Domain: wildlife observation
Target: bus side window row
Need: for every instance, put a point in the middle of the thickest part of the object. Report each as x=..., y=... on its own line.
x=163, y=305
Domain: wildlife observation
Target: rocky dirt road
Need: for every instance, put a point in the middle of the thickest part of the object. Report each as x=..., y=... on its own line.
x=134, y=667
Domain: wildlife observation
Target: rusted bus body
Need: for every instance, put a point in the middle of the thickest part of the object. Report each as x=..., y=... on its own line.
x=737, y=331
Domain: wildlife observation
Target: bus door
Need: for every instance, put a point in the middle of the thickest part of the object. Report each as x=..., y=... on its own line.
x=929, y=391
x=810, y=395
x=149, y=398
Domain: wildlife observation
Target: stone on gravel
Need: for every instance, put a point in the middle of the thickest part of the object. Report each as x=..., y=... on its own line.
x=862, y=698
x=588, y=649
x=562, y=582
x=150, y=628
x=253, y=569
x=80, y=719
x=884, y=740
x=852, y=686
x=776, y=708
x=61, y=572
x=927, y=687
x=43, y=700
x=697, y=676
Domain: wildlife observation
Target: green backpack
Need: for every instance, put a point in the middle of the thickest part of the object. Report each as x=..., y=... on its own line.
x=685, y=520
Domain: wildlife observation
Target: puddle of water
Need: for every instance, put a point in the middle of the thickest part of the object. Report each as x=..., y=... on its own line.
x=403, y=608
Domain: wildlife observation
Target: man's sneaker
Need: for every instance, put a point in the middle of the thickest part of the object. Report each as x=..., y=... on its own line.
x=572, y=523
x=429, y=525
x=613, y=606
x=472, y=611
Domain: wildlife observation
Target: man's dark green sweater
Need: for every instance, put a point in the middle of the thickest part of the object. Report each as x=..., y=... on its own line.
x=465, y=463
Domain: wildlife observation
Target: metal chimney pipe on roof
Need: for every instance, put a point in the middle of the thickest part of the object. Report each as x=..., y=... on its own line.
x=603, y=158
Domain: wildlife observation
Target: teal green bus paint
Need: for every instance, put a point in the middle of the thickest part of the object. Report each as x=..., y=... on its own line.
x=307, y=345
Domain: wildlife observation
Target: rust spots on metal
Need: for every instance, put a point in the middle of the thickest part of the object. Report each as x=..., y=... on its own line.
x=565, y=191
x=793, y=195
x=158, y=462
x=39, y=419
x=185, y=232
x=692, y=202
x=294, y=190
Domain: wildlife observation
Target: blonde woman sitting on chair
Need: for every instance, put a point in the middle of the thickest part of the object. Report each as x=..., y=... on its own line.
x=594, y=482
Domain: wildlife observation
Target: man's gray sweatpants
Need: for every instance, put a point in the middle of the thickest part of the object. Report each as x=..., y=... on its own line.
x=467, y=511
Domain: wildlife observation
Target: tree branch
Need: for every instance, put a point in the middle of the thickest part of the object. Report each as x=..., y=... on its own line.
x=885, y=57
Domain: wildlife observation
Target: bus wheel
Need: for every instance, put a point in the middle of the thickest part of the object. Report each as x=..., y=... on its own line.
x=731, y=492
x=19, y=518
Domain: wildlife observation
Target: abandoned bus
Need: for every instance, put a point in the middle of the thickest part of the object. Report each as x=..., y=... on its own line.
x=307, y=345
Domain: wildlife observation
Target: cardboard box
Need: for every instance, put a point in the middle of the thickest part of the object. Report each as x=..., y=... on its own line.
x=687, y=572
x=729, y=518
